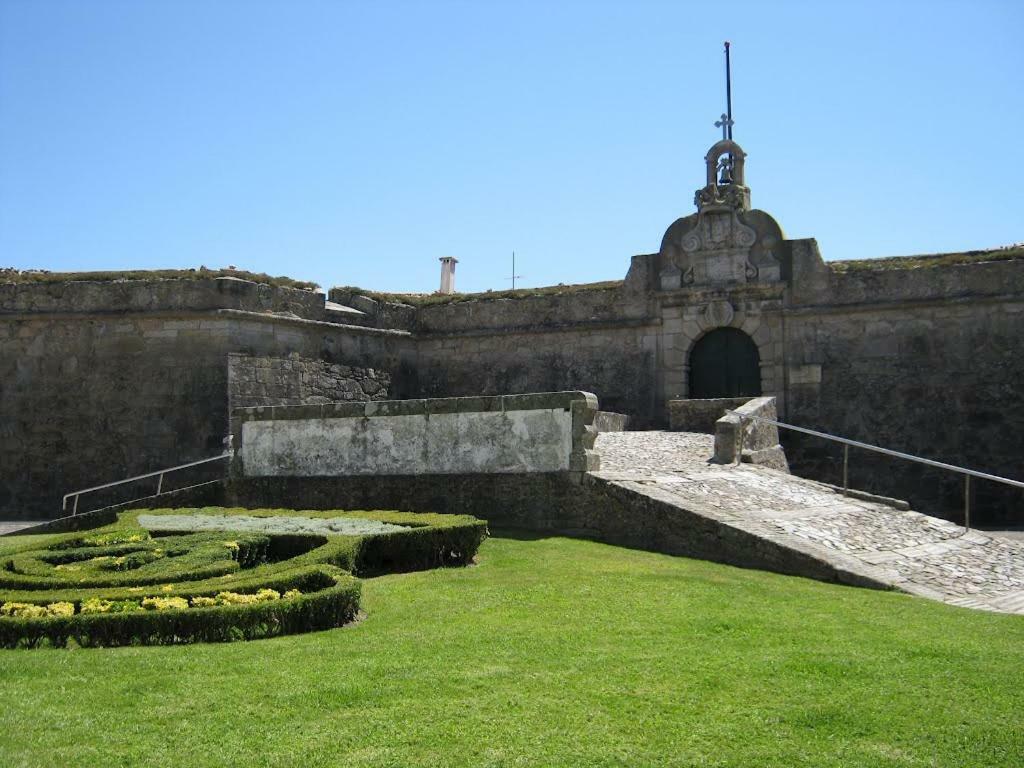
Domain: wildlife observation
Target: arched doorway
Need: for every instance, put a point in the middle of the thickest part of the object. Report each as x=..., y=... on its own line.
x=725, y=363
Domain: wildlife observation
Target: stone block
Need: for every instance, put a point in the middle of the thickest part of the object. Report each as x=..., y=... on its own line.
x=805, y=375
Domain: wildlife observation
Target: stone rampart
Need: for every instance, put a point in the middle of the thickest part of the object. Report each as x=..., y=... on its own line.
x=90, y=398
x=100, y=380
x=167, y=295
x=543, y=432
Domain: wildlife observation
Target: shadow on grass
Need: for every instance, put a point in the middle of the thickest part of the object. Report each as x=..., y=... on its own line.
x=521, y=534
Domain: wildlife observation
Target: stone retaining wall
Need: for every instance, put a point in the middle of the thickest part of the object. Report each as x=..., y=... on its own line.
x=552, y=503
x=542, y=432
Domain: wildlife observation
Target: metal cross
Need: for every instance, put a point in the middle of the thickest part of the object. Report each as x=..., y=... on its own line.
x=725, y=124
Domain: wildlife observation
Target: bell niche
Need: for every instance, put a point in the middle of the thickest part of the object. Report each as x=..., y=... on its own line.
x=725, y=242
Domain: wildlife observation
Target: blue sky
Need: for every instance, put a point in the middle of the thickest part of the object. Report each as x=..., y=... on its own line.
x=355, y=143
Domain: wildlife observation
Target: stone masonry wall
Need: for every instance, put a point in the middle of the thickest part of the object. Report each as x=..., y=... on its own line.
x=616, y=364
x=254, y=381
x=943, y=380
x=90, y=398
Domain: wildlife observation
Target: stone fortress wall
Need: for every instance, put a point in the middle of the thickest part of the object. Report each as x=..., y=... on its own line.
x=922, y=357
x=102, y=380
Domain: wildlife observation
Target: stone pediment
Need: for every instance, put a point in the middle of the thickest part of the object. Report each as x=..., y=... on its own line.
x=720, y=247
x=724, y=243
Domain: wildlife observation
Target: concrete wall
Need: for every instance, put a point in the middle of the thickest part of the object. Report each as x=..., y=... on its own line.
x=546, y=432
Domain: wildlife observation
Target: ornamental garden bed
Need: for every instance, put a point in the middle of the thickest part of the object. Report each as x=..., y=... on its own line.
x=214, y=574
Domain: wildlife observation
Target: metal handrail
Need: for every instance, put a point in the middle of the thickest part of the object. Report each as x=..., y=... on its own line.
x=968, y=473
x=159, y=487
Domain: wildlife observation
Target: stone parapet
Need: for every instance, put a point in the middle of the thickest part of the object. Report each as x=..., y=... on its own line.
x=700, y=415
x=740, y=435
x=539, y=432
x=164, y=295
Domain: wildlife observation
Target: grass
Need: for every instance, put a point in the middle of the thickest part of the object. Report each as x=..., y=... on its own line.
x=430, y=299
x=551, y=652
x=43, y=276
x=1008, y=253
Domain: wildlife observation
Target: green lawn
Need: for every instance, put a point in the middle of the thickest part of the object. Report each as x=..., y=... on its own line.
x=550, y=652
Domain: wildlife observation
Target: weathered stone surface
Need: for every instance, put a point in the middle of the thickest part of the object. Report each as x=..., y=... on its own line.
x=740, y=435
x=606, y=421
x=296, y=380
x=139, y=398
x=541, y=432
x=158, y=296
x=799, y=526
x=700, y=415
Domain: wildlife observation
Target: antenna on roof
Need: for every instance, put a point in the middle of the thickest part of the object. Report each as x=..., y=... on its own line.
x=514, y=275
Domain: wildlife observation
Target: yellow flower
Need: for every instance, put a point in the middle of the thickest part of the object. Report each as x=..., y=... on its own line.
x=22, y=610
x=95, y=605
x=61, y=609
x=164, y=603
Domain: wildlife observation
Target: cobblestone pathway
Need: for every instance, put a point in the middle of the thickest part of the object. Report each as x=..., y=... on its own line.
x=911, y=552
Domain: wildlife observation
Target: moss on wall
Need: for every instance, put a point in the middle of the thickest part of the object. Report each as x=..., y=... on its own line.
x=1009, y=253
x=44, y=276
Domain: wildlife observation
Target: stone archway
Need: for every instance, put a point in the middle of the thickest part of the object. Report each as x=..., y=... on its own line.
x=725, y=362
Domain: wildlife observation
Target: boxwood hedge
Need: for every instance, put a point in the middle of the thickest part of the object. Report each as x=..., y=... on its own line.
x=160, y=587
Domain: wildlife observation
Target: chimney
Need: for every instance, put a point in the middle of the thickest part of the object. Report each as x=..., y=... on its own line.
x=448, y=274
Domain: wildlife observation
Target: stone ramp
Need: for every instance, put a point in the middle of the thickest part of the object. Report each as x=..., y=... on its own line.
x=13, y=526
x=865, y=542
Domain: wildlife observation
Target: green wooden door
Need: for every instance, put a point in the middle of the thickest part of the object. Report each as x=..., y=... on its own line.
x=725, y=363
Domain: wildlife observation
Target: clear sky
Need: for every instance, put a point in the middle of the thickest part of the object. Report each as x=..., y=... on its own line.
x=357, y=142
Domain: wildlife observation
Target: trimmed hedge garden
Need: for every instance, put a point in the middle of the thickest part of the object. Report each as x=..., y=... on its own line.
x=159, y=577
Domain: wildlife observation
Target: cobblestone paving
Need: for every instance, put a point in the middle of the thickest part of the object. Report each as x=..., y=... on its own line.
x=913, y=552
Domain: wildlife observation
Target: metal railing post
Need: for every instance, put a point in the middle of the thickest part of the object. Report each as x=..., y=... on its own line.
x=967, y=502
x=160, y=482
x=846, y=469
